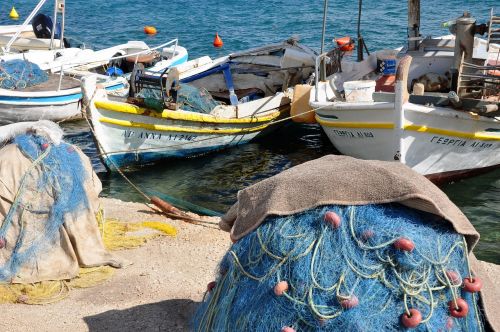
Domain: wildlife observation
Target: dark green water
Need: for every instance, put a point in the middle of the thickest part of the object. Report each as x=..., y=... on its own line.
x=213, y=180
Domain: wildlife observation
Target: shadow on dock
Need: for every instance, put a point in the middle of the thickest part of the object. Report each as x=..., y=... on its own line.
x=169, y=315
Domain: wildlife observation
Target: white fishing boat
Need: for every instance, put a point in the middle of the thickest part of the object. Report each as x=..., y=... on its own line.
x=57, y=98
x=198, y=107
x=447, y=128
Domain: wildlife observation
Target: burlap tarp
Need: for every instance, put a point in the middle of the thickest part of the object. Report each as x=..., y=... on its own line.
x=79, y=243
x=344, y=180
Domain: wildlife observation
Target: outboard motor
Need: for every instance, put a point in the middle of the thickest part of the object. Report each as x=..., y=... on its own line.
x=42, y=27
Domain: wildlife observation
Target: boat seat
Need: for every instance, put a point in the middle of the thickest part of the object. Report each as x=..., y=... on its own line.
x=241, y=93
x=53, y=83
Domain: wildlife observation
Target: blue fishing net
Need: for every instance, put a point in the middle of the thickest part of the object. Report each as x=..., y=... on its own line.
x=19, y=74
x=189, y=98
x=357, y=277
x=50, y=191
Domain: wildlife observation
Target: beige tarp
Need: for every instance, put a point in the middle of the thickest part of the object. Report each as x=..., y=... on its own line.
x=344, y=180
x=79, y=243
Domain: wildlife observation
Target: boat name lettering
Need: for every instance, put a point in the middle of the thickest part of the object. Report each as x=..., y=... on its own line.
x=158, y=136
x=460, y=142
x=357, y=134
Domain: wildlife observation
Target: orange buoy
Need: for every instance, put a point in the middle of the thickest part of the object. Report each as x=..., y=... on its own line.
x=218, y=41
x=345, y=44
x=150, y=30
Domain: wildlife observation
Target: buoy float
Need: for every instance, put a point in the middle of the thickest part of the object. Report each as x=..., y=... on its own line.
x=404, y=244
x=460, y=310
x=333, y=219
x=413, y=320
x=3, y=242
x=280, y=288
x=350, y=302
x=473, y=285
x=211, y=285
x=150, y=30
x=13, y=13
x=218, y=41
x=454, y=277
x=45, y=146
x=345, y=44
x=367, y=234
x=287, y=329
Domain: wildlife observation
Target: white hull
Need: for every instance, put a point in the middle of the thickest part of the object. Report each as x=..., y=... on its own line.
x=433, y=140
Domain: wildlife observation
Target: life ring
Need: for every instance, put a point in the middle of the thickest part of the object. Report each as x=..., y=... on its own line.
x=142, y=58
x=345, y=44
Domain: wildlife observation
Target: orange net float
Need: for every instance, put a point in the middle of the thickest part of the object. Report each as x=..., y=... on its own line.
x=345, y=44
x=150, y=30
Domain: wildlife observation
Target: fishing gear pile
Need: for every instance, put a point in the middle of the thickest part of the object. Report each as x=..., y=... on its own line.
x=20, y=74
x=56, y=172
x=345, y=268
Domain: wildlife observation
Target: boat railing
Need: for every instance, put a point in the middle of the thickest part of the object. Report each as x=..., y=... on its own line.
x=6, y=49
x=136, y=55
x=316, y=72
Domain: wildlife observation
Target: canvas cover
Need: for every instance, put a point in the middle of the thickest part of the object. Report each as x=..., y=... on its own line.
x=79, y=243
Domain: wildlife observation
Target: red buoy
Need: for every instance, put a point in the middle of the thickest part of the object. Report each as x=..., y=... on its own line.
x=3, y=242
x=368, y=234
x=280, y=288
x=350, y=302
x=345, y=44
x=412, y=320
x=333, y=219
x=404, y=244
x=473, y=285
x=45, y=146
x=211, y=285
x=218, y=41
x=460, y=310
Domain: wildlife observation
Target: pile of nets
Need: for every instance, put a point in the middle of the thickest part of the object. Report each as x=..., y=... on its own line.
x=61, y=179
x=20, y=74
x=188, y=98
x=345, y=268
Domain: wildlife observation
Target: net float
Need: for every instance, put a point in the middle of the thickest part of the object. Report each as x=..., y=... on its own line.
x=349, y=303
x=412, y=320
x=280, y=288
x=211, y=285
x=287, y=329
x=460, y=309
x=472, y=285
x=333, y=219
x=3, y=242
x=404, y=244
x=454, y=277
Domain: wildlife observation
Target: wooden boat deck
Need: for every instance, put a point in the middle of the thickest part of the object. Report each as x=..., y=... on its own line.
x=53, y=83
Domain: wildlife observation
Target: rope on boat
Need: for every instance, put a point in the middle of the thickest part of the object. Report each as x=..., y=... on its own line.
x=167, y=209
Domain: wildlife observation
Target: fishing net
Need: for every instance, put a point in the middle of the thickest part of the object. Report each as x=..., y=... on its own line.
x=57, y=173
x=20, y=74
x=189, y=98
x=345, y=268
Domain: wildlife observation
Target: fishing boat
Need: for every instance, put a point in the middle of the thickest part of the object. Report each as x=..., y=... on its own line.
x=447, y=128
x=197, y=107
x=57, y=97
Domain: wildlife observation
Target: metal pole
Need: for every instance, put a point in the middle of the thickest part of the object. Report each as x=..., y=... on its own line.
x=360, y=39
x=62, y=7
x=323, y=68
x=25, y=23
x=54, y=24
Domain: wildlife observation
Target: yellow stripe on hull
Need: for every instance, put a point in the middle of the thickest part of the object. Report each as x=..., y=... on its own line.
x=178, y=115
x=157, y=127
x=369, y=125
x=483, y=136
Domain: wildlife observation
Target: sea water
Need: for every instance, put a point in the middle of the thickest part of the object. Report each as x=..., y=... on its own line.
x=213, y=180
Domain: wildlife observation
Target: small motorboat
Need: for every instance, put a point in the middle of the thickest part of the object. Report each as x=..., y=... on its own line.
x=197, y=107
